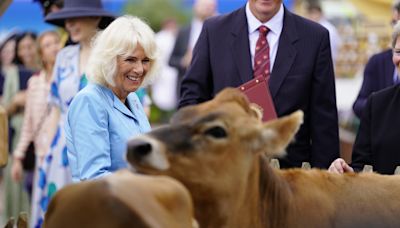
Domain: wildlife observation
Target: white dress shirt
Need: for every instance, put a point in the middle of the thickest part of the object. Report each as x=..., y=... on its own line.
x=275, y=25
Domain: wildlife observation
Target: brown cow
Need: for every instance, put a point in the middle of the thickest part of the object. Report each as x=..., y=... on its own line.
x=220, y=149
x=122, y=200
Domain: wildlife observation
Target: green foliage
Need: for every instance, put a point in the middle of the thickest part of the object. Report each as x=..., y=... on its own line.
x=155, y=12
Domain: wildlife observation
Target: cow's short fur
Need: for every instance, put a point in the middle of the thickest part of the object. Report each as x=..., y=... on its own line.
x=220, y=149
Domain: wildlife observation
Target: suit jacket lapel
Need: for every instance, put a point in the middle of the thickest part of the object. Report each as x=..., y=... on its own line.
x=240, y=46
x=286, y=53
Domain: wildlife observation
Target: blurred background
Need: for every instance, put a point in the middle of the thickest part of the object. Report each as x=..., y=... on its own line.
x=363, y=28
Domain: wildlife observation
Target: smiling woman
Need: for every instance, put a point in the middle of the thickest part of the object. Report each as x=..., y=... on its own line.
x=107, y=112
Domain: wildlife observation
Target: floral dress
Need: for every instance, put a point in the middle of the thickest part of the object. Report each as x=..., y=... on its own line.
x=54, y=173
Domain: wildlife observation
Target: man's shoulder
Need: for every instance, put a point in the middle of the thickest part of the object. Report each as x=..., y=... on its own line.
x=385, y=54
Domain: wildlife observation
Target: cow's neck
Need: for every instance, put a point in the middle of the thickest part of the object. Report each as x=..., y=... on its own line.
x=233, y=204
x=208, y=208
x=274, y=194
x=261, y=200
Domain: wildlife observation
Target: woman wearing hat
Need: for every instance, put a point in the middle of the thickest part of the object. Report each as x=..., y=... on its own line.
x=81, y=19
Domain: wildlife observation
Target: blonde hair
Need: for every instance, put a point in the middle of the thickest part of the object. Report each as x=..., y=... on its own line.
x=120, y=38
x=40, y=39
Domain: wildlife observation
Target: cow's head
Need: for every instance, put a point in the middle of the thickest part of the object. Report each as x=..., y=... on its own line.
x=213, y=144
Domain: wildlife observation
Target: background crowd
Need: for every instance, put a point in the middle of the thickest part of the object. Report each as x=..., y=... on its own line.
x=61, y=99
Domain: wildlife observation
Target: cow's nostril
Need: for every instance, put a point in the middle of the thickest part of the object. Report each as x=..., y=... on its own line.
x=137, y=149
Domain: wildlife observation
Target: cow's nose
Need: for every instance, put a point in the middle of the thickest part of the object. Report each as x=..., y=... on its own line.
x=138, y=148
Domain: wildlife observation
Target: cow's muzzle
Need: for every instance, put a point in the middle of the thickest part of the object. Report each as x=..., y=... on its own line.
x=146, y=151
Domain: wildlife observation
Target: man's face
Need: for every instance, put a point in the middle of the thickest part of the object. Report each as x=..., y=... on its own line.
x=264, y=10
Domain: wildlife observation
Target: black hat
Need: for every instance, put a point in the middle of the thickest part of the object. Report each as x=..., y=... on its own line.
x=80, y=8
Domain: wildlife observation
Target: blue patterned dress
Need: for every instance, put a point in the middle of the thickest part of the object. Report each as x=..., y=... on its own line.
x=54, y=173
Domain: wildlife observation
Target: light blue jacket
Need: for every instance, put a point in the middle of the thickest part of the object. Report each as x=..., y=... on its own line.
x=97, y=128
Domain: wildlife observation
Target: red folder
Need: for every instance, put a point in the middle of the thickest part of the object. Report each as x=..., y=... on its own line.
x=257, y=91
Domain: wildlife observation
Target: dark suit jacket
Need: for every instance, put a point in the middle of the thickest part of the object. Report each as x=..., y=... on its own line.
x=302, y=78
x=377, y=142
x=180, y=48
x=378, y=74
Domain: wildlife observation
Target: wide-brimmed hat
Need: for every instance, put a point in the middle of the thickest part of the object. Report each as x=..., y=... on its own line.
x=80, y=8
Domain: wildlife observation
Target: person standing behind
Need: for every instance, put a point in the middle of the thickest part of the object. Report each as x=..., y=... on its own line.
x=163, y=91
x=81, y=19
x=187, y=37
x=7, y=54
x=377, y=141
x=17, y=75
x=36, y=111
x=315, y=13
x=379, y=73
x=298, y=64
x=105, y=114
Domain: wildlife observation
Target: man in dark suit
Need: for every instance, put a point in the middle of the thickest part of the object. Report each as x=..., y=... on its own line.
x=377, y=142
x=301, y=69
x=187, y=36
x=379, y=73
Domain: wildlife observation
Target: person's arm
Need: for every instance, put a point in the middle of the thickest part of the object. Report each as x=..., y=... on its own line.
x=323, y=111
x=366, y=89
x=17, y=103
x=197, y=84
x=88, y=140
x=178, y=51
x=362, y=153
x=24, y=140
x=9, y=87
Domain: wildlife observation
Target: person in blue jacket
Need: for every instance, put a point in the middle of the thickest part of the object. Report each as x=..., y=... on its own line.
x=106, y=113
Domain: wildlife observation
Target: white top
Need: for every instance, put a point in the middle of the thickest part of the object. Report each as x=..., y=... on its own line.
x=164, y=91
x=275, y=25
x=195, y=31
x=334, y=37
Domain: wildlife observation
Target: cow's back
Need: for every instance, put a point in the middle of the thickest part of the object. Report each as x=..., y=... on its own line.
x=121, y=200
x=322, y=199
x=89, y=204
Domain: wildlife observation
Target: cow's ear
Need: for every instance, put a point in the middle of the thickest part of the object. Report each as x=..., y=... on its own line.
x=277, y=134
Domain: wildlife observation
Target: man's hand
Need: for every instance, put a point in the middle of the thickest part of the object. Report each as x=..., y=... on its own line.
x=340, y=166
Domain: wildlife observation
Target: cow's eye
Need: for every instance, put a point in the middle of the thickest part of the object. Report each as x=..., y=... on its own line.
x=216, y=132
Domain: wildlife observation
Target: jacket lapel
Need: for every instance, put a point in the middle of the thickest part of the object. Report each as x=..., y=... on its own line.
x=122, y=108
x=240, y=46
x=286, y=53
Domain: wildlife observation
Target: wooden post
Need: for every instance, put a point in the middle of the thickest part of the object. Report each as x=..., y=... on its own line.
x=305, y=165
x=397, y=170
x=368, y=169
x=22, y=221
x=275, y=163
x=3, y=137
